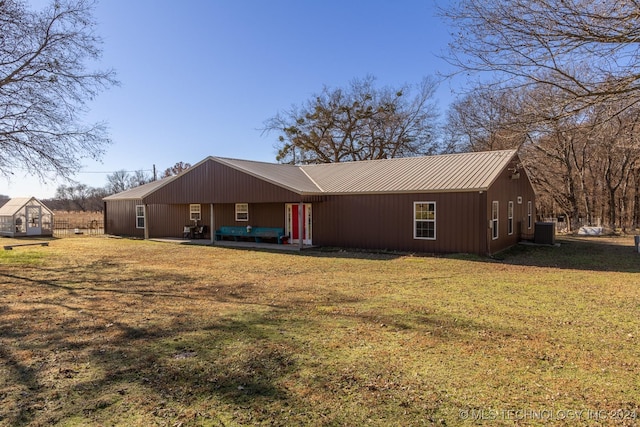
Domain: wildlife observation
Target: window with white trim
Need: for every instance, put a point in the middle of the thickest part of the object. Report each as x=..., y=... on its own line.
x=529, y=214
x=494, y=220
x=195, y=212
x=424, y=220
x=242, y=211
x=510, y=218
x=139, y=216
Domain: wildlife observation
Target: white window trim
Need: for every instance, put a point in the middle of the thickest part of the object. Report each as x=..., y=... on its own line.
x=144, y=220
x=238, y=211
x=434, y=221
x=510, y=218
x=529, y=214
x=195, y=209
x=495, y=220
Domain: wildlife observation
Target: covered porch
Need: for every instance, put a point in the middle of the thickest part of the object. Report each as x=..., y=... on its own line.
x=233, y=244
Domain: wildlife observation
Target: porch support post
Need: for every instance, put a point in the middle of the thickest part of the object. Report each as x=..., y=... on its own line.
x=146, y=221
x=301, y=230
x=212, y=221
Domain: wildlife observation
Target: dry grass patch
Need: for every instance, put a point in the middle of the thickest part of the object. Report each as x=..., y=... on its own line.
x=78, y=217
x=99, y=331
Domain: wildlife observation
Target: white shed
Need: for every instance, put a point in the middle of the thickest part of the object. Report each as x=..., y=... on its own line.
x=25, y=216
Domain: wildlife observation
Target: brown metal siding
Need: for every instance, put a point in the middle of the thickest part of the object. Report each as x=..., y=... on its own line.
x=260, y=215
x=120, y=218
x=212, y=182
x=162, y=220
x=169, y=220
x=506, y=189
x=368, y=221
x=386, y=222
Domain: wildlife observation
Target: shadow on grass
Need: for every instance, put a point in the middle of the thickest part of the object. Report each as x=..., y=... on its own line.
x=26, y=379
x=76, y=371
x=322, y=252
x=74, y=286
x=231, y=361
x=98, y=344
x=85, y=351
x=571, y=252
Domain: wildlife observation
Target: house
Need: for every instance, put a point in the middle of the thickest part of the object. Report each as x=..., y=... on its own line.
x=25, y=216
x=471, y=202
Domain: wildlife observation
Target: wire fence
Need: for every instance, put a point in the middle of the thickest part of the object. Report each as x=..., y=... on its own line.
x=64, y=227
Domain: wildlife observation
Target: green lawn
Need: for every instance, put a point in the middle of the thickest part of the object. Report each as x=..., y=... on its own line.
x=102, y=331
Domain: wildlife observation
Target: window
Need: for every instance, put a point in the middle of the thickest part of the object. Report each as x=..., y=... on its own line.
x=424, y=224
x=242, y=212
x=510, y=218
x=494, y=220
x=194, y=212
x=139, y=216
x=6, y=223
x=529, y=213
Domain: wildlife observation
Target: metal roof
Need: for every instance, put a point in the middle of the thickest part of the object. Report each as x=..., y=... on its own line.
x=288, y=176
x=446, y=172
x=142, y=190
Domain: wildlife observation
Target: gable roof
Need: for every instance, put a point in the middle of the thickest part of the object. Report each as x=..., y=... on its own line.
x=141, y=191
x=291, y=177
x=13, y=206
x=446, y=172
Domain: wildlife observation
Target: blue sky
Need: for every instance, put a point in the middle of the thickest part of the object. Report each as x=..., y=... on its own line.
x=200, y=78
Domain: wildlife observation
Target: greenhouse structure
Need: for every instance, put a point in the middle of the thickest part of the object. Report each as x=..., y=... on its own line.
x=25, y=216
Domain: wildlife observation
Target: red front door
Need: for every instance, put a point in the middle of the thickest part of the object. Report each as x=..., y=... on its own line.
x=293, y=229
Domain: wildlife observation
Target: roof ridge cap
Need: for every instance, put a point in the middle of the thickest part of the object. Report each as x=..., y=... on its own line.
x=405, y=158
x=311, y=179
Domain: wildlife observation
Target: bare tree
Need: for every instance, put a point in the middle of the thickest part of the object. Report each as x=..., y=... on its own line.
x=176, y=169
x=585, y=50
x=552, y=147
x=361, y=122
x=79, y=197
x=484, y=121
x=122, y=180
x=552, y=158
x=45, y=86
x=138, y=178
x=118, y=181
x=74, y=196
x=618, y=156
x=584, y=164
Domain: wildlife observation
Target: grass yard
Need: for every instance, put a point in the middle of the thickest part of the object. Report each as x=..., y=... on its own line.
x=101, y=331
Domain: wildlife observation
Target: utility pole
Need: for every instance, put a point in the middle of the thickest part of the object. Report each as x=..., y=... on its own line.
x=155, y=177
